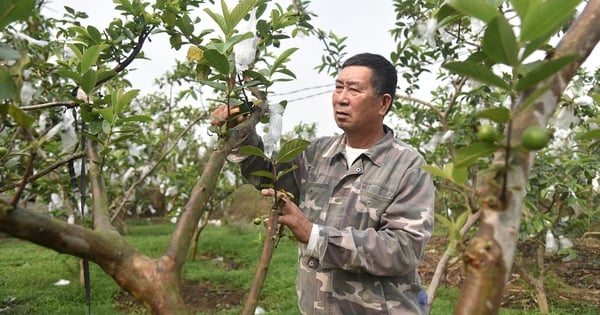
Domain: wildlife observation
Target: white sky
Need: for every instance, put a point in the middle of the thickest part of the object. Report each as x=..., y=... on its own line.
x=365, y=23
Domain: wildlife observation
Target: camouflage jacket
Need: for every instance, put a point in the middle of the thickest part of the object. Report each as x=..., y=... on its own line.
x=374, y=221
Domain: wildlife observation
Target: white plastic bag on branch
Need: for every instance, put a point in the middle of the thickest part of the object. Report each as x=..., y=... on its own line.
x=271, y=139
x=245, y=51
x=551, y=245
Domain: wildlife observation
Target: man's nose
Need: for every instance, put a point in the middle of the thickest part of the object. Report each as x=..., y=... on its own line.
x=342, y=96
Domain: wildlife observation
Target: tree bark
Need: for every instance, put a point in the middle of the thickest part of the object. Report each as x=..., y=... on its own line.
x=489, y=258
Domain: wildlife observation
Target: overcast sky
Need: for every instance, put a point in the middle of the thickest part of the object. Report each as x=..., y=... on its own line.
x=365, y=23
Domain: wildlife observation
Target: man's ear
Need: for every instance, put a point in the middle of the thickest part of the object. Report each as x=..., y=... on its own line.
x=386, y=102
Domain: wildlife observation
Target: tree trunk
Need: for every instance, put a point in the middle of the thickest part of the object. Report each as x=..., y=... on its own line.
x=489, y=258
x=151, y=281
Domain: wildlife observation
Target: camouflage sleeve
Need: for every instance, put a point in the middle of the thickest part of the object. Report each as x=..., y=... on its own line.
x=397, y=246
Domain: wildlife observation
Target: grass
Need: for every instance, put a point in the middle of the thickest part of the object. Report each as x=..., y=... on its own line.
x=28, y=273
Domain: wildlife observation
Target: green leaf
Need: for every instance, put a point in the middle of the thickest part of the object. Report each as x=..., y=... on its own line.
x=522, y=6
x=287, y=170
x=462, y=219
x=7, y=85
x=67, y=73
x=466, y=156
x=215, y=85
x=94, y=34
x=219, y=19
x=90, y=56
x=443, y=220
x=539, y=43
x=88, y=81
x=543, y=71
x=106, y=127
x=202, y=72
x=500, y=43
x=436, y=171
x=460, y=175
x=445, y=14
x=477, y=72
x=592, y=134
x=75, y=49
x=282, y=58
x=253, y=150
x=13, y=10
x=186, y=25
x=104, y=74
x=107, y=114
x=7, y=53
x=480, y=9
x=216, y=60
x=21, y=117
x=125, y=99
x=227, y=18
x=263, y=173
x=497, y=114
x=239, y=12
x=136, y=118
x=232, y=41
x=291, y=149
x=545, y=17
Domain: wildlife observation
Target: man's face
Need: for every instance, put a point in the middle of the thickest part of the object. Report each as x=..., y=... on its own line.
x=356, y=105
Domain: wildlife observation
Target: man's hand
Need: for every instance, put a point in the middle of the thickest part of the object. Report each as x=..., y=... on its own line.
x=220, y=115
x=292, y=217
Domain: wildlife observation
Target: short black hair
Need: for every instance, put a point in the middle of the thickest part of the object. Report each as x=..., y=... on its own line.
x=384, y=77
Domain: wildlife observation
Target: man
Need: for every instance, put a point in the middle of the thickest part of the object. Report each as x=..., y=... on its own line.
x=365, y=208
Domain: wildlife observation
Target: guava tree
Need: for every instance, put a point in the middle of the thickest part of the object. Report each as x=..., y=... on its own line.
x=503, y=77
x=70, y=118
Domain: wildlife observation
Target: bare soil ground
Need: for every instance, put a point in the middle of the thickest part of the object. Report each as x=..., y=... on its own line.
x=577, y=280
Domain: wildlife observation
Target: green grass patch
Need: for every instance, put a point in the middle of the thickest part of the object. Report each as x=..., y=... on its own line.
x=226, y=259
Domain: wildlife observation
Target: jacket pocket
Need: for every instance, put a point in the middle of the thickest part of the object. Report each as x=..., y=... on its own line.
x=369, y=208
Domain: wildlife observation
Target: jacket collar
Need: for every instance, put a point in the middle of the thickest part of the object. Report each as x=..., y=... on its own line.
x=376, y=153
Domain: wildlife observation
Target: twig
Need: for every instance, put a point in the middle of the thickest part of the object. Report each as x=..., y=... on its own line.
x=28, y=170
x=44, y=172
x=441, y=266
x=50, y=105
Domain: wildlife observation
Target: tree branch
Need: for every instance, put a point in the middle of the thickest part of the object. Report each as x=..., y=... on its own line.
x=136, y=50
x=99, y=194
x=58, y=235
x=188, y=221
x=50, y=105
x=43, y=172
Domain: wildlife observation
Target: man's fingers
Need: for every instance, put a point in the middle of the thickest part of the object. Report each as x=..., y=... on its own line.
x=267, y=192
x=219, y=115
